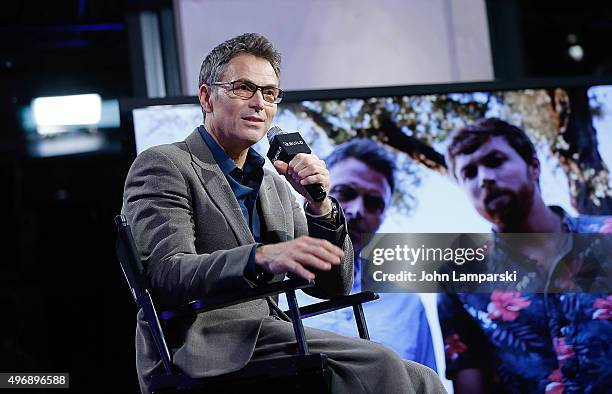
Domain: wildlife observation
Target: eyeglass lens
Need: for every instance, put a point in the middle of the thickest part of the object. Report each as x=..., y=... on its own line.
x=248, y=89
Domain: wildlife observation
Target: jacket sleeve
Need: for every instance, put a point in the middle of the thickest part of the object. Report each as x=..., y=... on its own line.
x=339, y=280
x=157, y=202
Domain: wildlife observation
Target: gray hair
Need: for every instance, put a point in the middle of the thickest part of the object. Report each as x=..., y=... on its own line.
x=255, y=44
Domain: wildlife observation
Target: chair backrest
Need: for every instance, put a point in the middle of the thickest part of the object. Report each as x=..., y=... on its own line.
x=127, y=252
x=129, y=258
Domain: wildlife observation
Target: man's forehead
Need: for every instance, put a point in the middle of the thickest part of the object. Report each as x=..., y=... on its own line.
x=357, y=173
x=491, y=145
x=251, y=68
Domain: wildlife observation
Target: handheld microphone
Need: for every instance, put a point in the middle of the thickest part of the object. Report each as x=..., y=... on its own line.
x=284, y=146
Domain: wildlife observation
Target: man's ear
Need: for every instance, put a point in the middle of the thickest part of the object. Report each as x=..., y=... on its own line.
x=534, y=169
x=204, y=94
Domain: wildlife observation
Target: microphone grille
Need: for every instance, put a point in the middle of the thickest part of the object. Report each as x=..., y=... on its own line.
x=273, y=132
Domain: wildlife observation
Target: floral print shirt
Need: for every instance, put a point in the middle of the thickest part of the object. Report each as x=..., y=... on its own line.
x=548, y=343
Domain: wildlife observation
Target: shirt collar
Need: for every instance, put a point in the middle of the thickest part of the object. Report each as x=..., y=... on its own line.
x=226, y=164
x=569, y=223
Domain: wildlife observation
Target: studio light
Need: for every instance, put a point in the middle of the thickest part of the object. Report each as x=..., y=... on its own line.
x=53, y=114
x=576, y=52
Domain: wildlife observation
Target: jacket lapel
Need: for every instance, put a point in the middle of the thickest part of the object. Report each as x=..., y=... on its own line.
x=216, y=186
x=273, y=214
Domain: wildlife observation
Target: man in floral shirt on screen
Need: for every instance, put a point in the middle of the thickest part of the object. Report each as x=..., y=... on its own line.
x=553, y=339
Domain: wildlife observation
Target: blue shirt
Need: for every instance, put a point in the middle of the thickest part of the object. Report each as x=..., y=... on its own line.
x=534, y=342
x=396, y=320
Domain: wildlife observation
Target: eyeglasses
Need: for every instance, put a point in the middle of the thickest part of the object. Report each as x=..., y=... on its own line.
x=372, y=204
x=246, y=89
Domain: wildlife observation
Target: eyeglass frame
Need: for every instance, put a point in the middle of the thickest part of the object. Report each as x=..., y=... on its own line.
x=279, y=98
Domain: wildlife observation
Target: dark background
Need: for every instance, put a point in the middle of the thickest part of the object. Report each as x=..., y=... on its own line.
x=65, y=304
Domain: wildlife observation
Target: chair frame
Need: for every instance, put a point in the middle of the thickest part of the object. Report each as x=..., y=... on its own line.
x=133, y=270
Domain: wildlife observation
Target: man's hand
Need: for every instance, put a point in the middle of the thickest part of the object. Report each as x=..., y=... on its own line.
x=306, y=169
x=299, y=255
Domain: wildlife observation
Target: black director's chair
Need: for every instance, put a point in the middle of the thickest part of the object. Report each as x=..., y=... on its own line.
x=302, y=372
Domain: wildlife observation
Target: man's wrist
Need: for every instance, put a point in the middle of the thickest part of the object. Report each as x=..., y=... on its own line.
x=330, y=216
x=319, y=209
x=253, y=271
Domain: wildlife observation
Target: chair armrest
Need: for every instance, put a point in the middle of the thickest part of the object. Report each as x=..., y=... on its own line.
x=221, y=301
x=336, y=303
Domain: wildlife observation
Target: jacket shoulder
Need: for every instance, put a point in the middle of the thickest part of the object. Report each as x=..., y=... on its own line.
x=177, y=153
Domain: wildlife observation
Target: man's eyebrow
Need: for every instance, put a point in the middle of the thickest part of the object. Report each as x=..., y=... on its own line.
x=273, y=85
x=474, y=156
x=242, y=80
x=493, y=152
x=474, y=160
x=370, y=191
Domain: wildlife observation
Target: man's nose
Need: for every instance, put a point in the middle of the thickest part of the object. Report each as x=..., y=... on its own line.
x=354, y=208
x=486, y=177
x=257, y=101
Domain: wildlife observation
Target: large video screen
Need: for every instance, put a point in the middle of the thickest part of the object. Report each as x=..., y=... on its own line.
x=569, y=122
x=571, y=126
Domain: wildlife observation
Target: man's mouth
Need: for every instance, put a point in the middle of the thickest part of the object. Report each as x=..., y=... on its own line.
x=355, y=228
x=254, y=119
x=493, y=200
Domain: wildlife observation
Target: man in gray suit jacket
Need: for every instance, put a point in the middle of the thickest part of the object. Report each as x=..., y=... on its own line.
x=209, y=220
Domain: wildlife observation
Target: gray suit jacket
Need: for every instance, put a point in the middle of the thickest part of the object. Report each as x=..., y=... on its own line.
x=195, y=243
